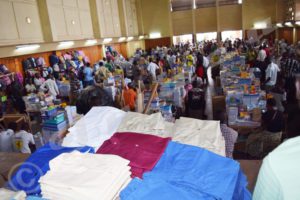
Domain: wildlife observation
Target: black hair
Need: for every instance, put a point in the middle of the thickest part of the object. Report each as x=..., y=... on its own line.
x=219, y=115
x=271, y=102
x=13, y=126
x=195, y=84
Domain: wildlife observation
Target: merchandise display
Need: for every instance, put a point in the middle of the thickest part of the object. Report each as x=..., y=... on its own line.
x=149, y=100
x=98, y=176
x=242, y=91
x=187, y=172
x=143, y=151
x=202, y=133
x=29, y=172
x=94, y=128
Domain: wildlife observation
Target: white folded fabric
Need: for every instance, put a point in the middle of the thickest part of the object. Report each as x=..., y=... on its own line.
x=147, y=124
x=85, y=176
x=202, y=133
x=98, y=125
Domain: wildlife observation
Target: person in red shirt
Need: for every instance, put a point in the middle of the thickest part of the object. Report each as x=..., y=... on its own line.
x=199, y=67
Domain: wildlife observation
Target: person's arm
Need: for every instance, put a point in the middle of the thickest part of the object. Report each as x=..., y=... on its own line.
x=268, y=75
x=55, y=87
x=43, y=87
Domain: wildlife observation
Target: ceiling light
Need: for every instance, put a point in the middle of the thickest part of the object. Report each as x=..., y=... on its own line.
x=155, y=35
x=288, y=24
x=240, y=1
x=107, y=40
x=279, y=25
x=66, y=44
x=129, y=38
x=91, y=42
x=260, y=25
x=27, y=47
x=121, y=39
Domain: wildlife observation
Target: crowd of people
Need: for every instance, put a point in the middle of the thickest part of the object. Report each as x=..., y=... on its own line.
x=277, y=62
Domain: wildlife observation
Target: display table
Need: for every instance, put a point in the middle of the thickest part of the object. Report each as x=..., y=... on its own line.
x=8, y=162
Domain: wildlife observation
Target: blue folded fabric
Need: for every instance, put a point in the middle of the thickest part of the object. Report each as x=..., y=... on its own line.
x=192, y=172
x=155, y=188
x=28, y=174
x=34, y=198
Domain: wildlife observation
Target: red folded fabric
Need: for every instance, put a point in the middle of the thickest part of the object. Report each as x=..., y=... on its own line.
x=143, y=151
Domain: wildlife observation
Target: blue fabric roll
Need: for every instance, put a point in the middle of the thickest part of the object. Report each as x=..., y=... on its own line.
x=190, y=172
x=28, y=174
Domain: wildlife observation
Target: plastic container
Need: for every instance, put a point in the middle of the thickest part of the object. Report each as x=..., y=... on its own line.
x=51, y=112
x=56, y=120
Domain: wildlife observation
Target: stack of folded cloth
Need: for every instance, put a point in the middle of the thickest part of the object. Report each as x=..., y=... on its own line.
x=28, y=174
x=189, y=172
x=80, y=176
x=98, y=125
x=142, y=150
x=202, y=133
x=146, y=124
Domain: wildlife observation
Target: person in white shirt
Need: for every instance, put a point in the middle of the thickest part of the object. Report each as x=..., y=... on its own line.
x=50, y=86
x=38, y=80
x=262, y=55
x=22, y=140
x=152, y=67
x=271, y=76
x=205, y=65
x=30, y=87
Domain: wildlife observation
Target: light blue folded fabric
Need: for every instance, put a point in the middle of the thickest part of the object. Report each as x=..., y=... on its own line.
x=192, y=172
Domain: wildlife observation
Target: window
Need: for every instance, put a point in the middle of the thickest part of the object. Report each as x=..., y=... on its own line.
x=232, y=35
x=178, y=5
x=206, y=36
x=182, y=39
x=205, y=3
x=212, y=3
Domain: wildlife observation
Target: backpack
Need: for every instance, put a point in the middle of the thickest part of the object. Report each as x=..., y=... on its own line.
x=32, y=61
x=40, y=61
x=81, y=74
x=196, y=97
x=4, y=69
x=26, y=65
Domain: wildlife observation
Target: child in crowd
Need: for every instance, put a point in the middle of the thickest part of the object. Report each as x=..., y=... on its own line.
x=129, y=96
x=23, y=141
x=196, y=101
x=30, y=87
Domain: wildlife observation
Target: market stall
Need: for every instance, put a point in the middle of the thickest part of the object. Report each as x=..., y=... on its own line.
x=165, y=156
x=245, y=101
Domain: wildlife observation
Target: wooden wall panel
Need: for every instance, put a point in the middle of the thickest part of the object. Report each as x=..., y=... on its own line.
x=230, y=17
x=152, y=43
x=14, y=64
x=206, y=20
x=298, y=34
x=121, y=48
x=182, y=22
x=287, y=34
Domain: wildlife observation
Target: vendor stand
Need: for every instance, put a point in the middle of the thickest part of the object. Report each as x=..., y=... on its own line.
x=245, y=101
